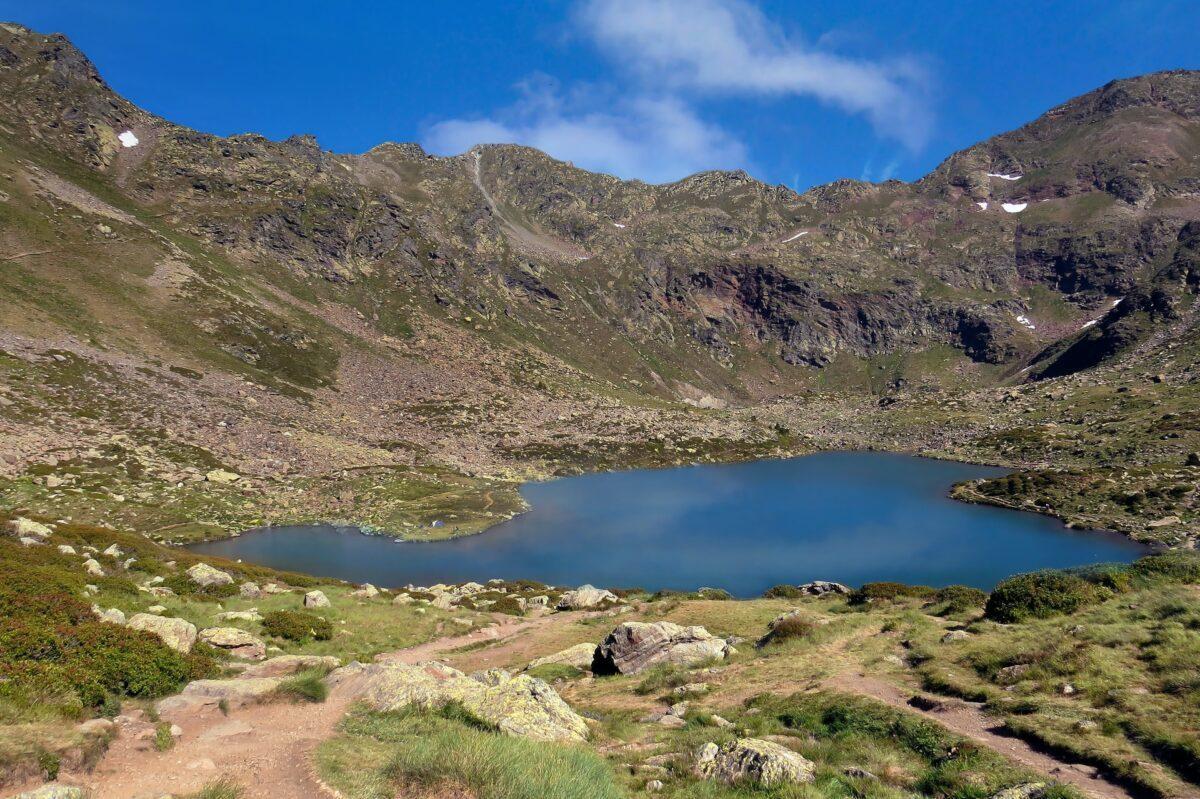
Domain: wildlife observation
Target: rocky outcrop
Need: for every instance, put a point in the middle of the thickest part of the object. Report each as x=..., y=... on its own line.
x=200, y=695
x=205, y=575
x=580, y=656
x=635, y=646
x=586, y=596
x=28, y=528
x=822, y=588
x=54, y=791
x=517, y=705
x=1028, y=790
x=234, y=642
x=178, y=634
x=755, y=761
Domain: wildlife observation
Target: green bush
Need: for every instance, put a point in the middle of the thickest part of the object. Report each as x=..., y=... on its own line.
x=959, y=598
x=507, y=604
x=1039, y=595
x=719, y=594
x=788, y=627
x=183, y=585
x=889, y=592
x=1176, y=567
x=296, y=625
x=783, y=592
x=554, y=671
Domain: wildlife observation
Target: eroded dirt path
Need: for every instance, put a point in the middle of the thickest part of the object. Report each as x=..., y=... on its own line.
x=268, y=748
x=969, y=721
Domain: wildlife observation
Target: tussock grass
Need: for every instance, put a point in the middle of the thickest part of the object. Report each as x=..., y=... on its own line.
x=378, y=752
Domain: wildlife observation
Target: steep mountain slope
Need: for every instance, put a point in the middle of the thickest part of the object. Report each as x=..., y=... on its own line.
x=399, y=338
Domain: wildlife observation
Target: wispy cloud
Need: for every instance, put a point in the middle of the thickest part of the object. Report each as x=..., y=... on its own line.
x=670, y=57
x=730, y=47
x=652, y=138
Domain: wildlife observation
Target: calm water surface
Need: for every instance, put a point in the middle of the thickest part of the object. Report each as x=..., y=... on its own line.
x=853, y=517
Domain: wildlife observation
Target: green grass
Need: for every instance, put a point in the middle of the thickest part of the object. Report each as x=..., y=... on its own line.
x=308, y=686
x=376, y=754
x=223, y=788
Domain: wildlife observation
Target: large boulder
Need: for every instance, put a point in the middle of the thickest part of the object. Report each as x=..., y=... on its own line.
x=178, y=634
x=238, y=643
x=517, y=705
x=211, y=695
x=205, y=575
x=824, y=587
x=586, y=596
x=635, y=646
x=316, y=599
x=753, y=760
x=580, y=656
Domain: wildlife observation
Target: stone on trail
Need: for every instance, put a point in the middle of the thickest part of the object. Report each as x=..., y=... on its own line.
x=203, y=574
x=518, y=705
x=237, y=643
x=580, y=656
x=634, y=646
x=755, y=761
x=316, y=599
x=585, y=596
x=178, y=634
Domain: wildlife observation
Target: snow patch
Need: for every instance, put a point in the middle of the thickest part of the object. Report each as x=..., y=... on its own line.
x=982, y=205
x=1024, y=320
x=618, y=224
x=1089, y=323
x=1014, y=208
x=128, y=139
x=1116, y=302
x=793, y=238
x=1003, y=176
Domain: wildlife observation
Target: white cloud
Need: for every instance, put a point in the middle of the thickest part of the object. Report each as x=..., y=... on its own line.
x=655, y=139
x=730, y=47
x=671, y=55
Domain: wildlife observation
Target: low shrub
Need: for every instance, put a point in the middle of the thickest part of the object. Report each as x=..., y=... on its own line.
x=296, y=625
x=660, y=678
x=959, y=598
x=1039, y=595
x=889, y=592
x=508, y=605
x=789, y=627
x=714, y=593
x=782, y=592
x=1176, y=566
x=183, y=585
x=554, y=671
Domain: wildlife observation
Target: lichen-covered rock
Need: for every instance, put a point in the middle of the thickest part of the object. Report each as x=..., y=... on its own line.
x=316, y=599
x=755, y=761
x=23, y=527
x=203, y=574
x=201, y=694
x=178, y=634
x=110, y=616
x=580, y=656
x=284, y=665
x=586, y=596
x=250, y=590
x=53, y=791
x=517, y=705
x=222, y=476
x=93, y=567
x=635, y=646
x=366, y=591
x=238, y=643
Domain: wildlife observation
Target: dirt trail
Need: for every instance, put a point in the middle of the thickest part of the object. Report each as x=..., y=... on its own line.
x=265, y=748
x=969, y=721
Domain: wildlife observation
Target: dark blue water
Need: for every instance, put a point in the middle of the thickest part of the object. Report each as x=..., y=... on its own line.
x=853, y=517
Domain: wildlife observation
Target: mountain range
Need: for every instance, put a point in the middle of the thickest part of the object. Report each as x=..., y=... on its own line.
x=202, y=333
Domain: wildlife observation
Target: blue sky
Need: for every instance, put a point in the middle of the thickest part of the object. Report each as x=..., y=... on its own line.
x=799, y=93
